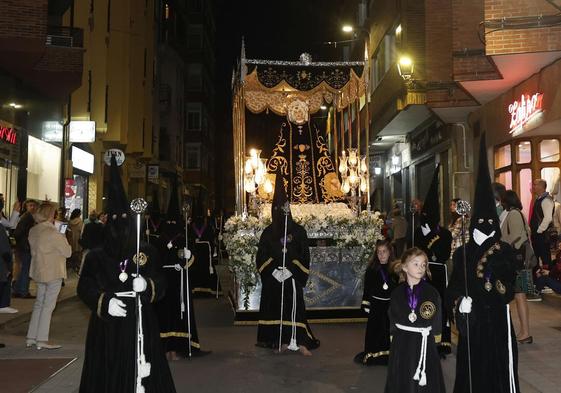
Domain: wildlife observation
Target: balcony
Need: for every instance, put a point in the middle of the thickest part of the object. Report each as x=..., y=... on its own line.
x=63, y=36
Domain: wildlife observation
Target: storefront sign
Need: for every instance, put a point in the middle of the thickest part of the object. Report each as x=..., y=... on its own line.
x=428, y=139
x=8, y=134
x=137, y=170
x=523, y=111
x=118, y=154
x=82, y=160
x=153, y=174
x=79, y=131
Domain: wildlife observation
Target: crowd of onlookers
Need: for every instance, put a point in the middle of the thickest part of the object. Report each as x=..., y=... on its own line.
x=39, y=242
x=534, y=238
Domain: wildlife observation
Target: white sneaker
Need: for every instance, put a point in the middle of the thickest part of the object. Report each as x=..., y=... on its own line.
x=44, y=345
x=547, y=290
x=8, y=310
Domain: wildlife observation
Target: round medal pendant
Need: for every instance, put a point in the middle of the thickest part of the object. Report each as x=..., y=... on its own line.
x=170, y=245
x=488, y=286
x=123, y=276
x=412, y=317
x=385, y=286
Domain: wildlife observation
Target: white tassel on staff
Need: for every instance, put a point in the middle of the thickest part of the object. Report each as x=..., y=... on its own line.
x=187, y=256
x=138, y=206
x=286, y=211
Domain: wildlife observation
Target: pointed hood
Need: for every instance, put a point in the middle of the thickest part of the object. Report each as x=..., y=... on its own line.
x=484, y=219
x=117, y=202
x=118, y=236
x=173, y=213
x=280, y=200
x=430, y=213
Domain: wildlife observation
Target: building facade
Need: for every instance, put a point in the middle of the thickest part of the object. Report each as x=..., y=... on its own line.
x=41, y=56
x=468, y=63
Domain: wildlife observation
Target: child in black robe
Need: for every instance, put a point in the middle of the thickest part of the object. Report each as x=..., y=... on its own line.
x=415, y=325
x=379, y=283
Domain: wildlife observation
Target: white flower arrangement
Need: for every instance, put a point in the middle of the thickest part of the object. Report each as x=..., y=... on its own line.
x=335, y=220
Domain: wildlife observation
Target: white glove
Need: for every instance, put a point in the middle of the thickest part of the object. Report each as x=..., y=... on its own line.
x=465, y=305
x=139, y=284
x=366, y=310
x=117, y=308
x=186, y=253
x=281, y=274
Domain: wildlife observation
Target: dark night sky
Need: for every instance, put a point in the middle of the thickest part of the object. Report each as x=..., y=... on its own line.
x=275, y=30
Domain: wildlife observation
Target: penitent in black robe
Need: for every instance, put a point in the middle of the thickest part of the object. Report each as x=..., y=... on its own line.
x=406, y=346
x=269, y=257
x=437, y=245
x=488, y=322
x=110, y=355
x=174, y=326
x=376, y=302
x=203, y=271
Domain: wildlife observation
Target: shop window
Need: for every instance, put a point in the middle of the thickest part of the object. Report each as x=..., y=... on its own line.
x=525, y=182
x=549, y=150
x=503, y=157
x=551, y=176
x=505, y=178
x=524, y=152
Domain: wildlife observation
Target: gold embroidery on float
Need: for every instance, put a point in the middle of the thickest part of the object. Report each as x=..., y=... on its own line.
x=277, y=161
x=302, y=191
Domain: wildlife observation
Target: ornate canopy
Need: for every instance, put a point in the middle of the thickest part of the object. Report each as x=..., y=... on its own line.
x=271, y=85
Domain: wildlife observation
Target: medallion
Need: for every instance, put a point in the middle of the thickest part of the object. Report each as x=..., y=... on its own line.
x=500, y=287
x=170, y=245
x=385, y=286
x=488, y=286
x=123, y=276
x=412, y=316
x=140, y=259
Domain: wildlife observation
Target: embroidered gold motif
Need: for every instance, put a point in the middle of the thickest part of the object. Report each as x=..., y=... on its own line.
x=330, y=187
x=277, y=162
x=302, y=191
x=500, y=287
x=427, y=310
x=140, y=259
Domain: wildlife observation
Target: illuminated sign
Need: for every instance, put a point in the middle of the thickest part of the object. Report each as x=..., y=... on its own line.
x=79, y=131
x=8, y=134
x=82, y=160
x=118, y=154
x=524, y=111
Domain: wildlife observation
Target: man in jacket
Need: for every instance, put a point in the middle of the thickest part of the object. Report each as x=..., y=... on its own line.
x=23, y=253
x=541, y=218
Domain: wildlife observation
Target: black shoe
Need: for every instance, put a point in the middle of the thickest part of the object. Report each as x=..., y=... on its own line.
x=314, y=344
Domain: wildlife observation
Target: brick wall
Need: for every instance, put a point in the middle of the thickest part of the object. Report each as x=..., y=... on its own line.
x=438, y=21
x=521, y=40
x=23, y=18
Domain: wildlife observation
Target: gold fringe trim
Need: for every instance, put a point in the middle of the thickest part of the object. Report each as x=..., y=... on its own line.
x=445, y=344
x=191, y=261
x=374, y=355
x=366, y=302
x=287, y=323
x=298, y=264
x=438, y=338
x=182, y=335
x=153, y=286
x=99, y=301
x=206, y=290
x=265, y=264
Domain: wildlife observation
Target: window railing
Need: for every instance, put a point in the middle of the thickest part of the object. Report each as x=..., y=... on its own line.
x=70, y=37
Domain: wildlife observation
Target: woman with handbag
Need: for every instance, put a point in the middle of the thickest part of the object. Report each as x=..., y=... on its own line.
x=514, y=231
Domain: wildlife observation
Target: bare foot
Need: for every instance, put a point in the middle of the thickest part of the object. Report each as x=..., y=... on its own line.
x=304, y=351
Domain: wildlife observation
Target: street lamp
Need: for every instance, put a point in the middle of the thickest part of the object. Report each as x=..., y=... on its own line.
x=405, y=66
x=347, y=29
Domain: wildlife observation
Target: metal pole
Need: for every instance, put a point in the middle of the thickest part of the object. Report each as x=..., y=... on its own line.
x=283, y=267
x=186, y=255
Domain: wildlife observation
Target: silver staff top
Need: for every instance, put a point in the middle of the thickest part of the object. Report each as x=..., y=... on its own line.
x=139, y=205
x=463, y=207
x=186, y=208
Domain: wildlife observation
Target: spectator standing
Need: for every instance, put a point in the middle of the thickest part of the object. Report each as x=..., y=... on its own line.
x=49, y=250
x=75, y=227
x=541, y=219
x=14, y=216
x=23, y=253
x=399, y=226
x=514, y=231
x=6, y=271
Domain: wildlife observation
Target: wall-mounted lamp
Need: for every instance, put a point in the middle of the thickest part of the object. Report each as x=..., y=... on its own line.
x=405, y=66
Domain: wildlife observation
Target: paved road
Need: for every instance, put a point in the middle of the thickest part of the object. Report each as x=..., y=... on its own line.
x=237, y=366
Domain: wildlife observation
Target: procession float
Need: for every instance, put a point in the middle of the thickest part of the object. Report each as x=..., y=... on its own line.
x=302, y=122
